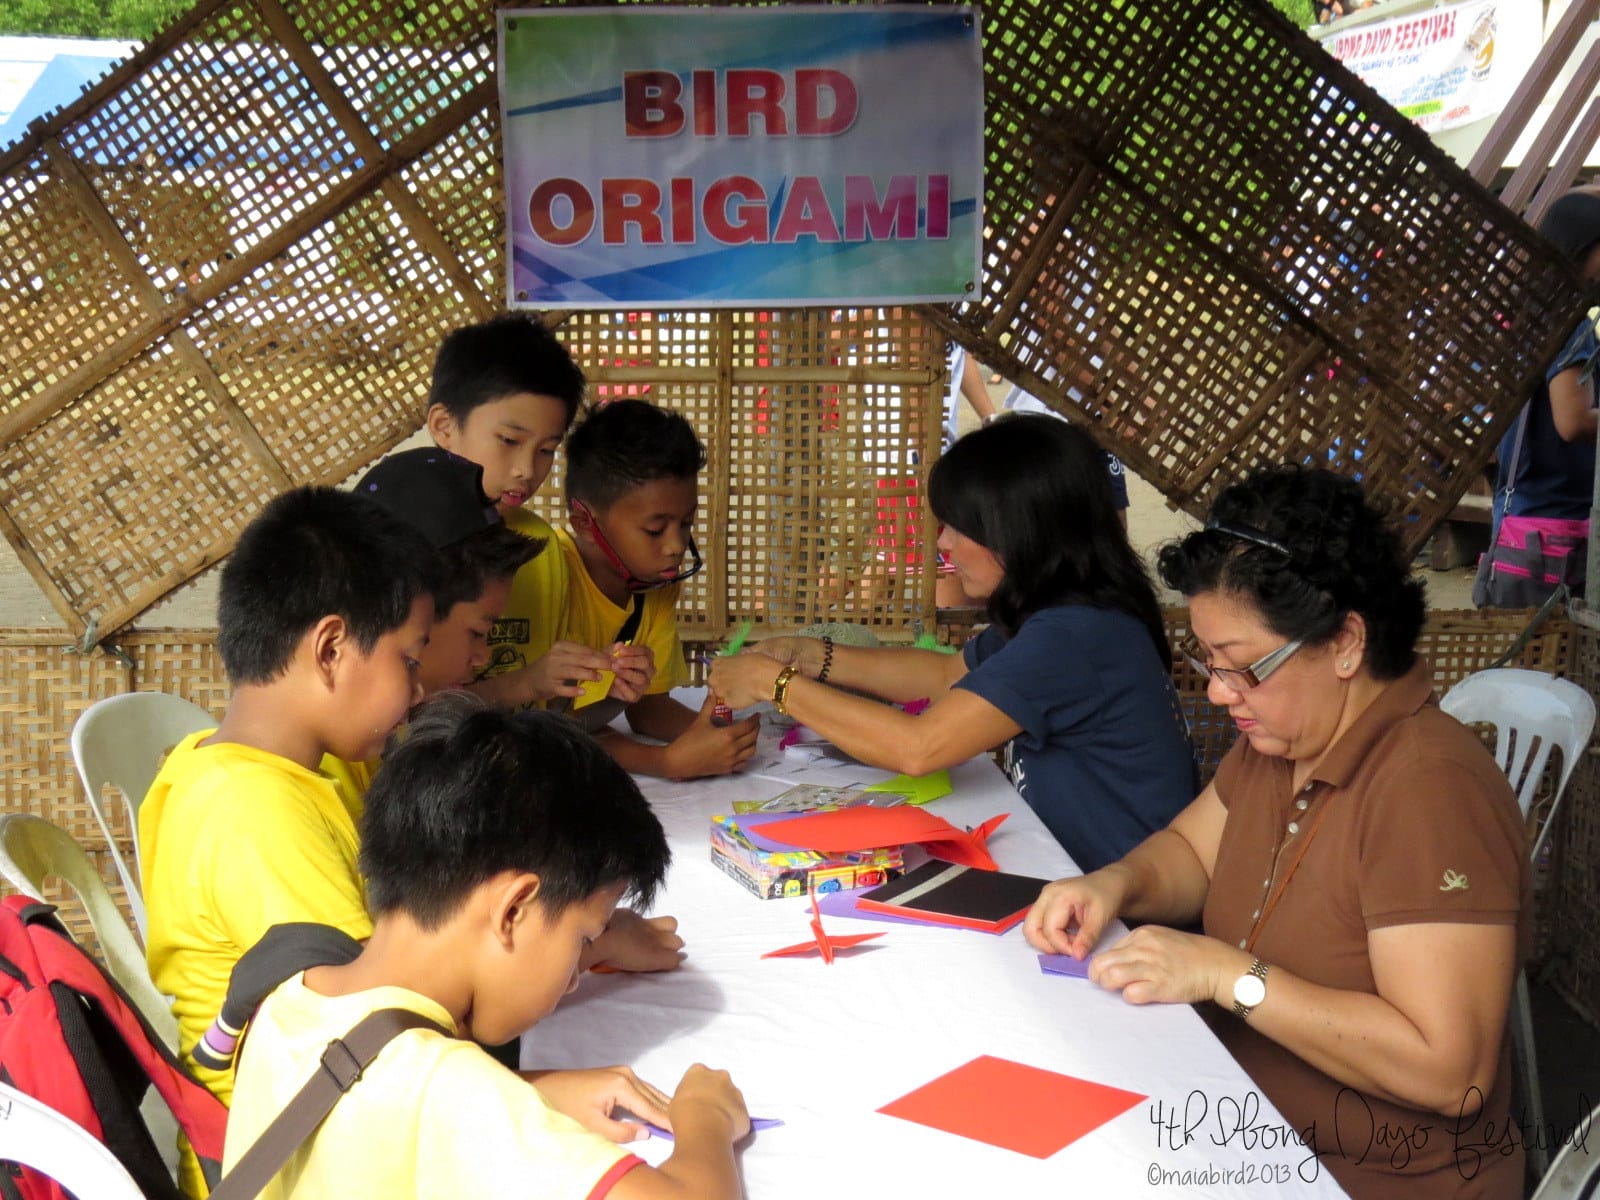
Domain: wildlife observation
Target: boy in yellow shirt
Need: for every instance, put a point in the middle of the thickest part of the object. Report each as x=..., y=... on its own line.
x=441, y=495
x=531, y=837
x=503, y=394
x=632, y=496
x=324, y=609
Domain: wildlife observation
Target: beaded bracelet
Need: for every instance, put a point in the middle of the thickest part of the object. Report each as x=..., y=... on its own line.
x=827, y=660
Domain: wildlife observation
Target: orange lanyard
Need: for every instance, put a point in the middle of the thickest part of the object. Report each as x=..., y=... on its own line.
x=1277, y=892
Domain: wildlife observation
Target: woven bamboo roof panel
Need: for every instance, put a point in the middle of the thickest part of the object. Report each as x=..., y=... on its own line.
x=225, y=269
x=1218, y=249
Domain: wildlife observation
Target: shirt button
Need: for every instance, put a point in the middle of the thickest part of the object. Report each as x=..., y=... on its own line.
x=1301, y=804
x=1242, y=942
x=1307, y=787
x=1255, y=915
x=1266, y=883
x=1294, y=827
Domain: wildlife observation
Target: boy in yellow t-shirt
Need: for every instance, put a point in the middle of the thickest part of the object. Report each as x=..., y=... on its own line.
x=533, y=836
x=503, y=395
x=632, y=495
x=323, y=612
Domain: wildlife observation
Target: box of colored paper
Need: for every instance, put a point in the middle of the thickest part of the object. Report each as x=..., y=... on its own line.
x=772, y=874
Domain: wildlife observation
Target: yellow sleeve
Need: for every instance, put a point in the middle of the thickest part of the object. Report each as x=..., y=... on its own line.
x=512, y=1134
x=658, y=629
x=536, y=609
x=278, y=856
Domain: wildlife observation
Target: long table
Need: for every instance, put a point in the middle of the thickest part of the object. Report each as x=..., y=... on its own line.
x=824, y=1046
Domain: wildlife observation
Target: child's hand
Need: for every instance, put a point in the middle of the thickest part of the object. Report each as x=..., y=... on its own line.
x=564, y=670
x=634, y=943
x=591, y=1097
x=635, y=667
x=707, y=749
x=705, y=1090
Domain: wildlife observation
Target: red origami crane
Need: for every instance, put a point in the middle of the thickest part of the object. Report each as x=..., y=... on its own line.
x=820, y=939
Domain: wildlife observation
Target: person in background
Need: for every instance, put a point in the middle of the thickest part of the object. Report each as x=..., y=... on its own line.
x=1546, y=458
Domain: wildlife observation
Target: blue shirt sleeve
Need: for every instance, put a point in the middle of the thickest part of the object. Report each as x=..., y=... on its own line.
x=1581, y=349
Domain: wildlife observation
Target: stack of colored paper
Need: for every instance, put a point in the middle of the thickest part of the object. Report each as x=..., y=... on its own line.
x=772, y=871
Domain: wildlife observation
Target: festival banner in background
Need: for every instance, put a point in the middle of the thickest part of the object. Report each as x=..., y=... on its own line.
x=684, y=158
x=1445, y=66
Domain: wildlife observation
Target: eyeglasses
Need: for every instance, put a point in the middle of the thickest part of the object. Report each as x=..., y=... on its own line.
x=629, y=580
x=1239, y=679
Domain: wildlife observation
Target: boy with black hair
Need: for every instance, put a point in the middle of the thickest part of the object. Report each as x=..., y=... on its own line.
x=494, y=847
x=324, y=609
x=632, y=495
x=503, y=395
x=442, y=496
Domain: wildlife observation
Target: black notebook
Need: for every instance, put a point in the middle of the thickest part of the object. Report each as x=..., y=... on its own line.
x=949, y=894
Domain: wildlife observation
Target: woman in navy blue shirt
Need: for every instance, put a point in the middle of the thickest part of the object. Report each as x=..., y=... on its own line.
x=1071, y=678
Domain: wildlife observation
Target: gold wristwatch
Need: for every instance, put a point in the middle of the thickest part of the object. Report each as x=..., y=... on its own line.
x=780, y=689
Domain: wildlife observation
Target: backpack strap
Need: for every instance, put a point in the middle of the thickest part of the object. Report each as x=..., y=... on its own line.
x=342, y=1064
x=283, y=951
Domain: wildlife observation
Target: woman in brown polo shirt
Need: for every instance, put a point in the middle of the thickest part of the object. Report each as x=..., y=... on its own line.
x=1357, y=865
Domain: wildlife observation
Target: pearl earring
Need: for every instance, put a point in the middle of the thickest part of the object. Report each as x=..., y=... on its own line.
x=1344, y=666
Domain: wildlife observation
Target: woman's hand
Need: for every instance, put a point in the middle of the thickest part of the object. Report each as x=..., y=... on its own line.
x=741, y=680
x=803, y=653
x=590, y=1097
x=1070, y=914
x=1154, y=965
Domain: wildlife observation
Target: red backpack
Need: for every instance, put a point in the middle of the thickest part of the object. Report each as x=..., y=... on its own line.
x=71, y=1039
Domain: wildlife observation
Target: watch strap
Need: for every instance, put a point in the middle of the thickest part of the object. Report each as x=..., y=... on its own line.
x=1259, y=970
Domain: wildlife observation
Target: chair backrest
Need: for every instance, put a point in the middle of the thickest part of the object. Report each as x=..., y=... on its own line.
x=121, y=741
x=35, y=1135
x=33, y=850
x=1575, y=1174
x=1531, y=712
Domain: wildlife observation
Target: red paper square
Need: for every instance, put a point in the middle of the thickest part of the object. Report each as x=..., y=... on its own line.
x=1013, y=1106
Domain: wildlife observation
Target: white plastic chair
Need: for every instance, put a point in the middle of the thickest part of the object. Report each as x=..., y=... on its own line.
x=1575, y=1174
x=121, y=741
x=39, y=1137
x=1531, y=713
x=33, y=850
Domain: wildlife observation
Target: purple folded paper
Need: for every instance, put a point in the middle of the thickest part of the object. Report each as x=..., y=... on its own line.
x=1064, y=964
x=757, y=1124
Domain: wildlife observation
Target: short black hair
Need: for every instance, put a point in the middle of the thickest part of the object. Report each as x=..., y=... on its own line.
x=625, y=444
x=311, y=553
x=1344, y=556
x=468, y=791
x=514, y=352
x=1036, y=492
x=468, y=566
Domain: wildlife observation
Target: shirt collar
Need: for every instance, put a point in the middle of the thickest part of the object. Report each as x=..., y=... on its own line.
x=1400, y=698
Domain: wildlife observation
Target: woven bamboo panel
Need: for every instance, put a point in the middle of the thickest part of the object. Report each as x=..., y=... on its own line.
x=224, y=270
x=817, y=425
x=1217, y=249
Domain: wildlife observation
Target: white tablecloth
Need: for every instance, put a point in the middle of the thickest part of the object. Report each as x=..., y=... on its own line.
x=822, y=1047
